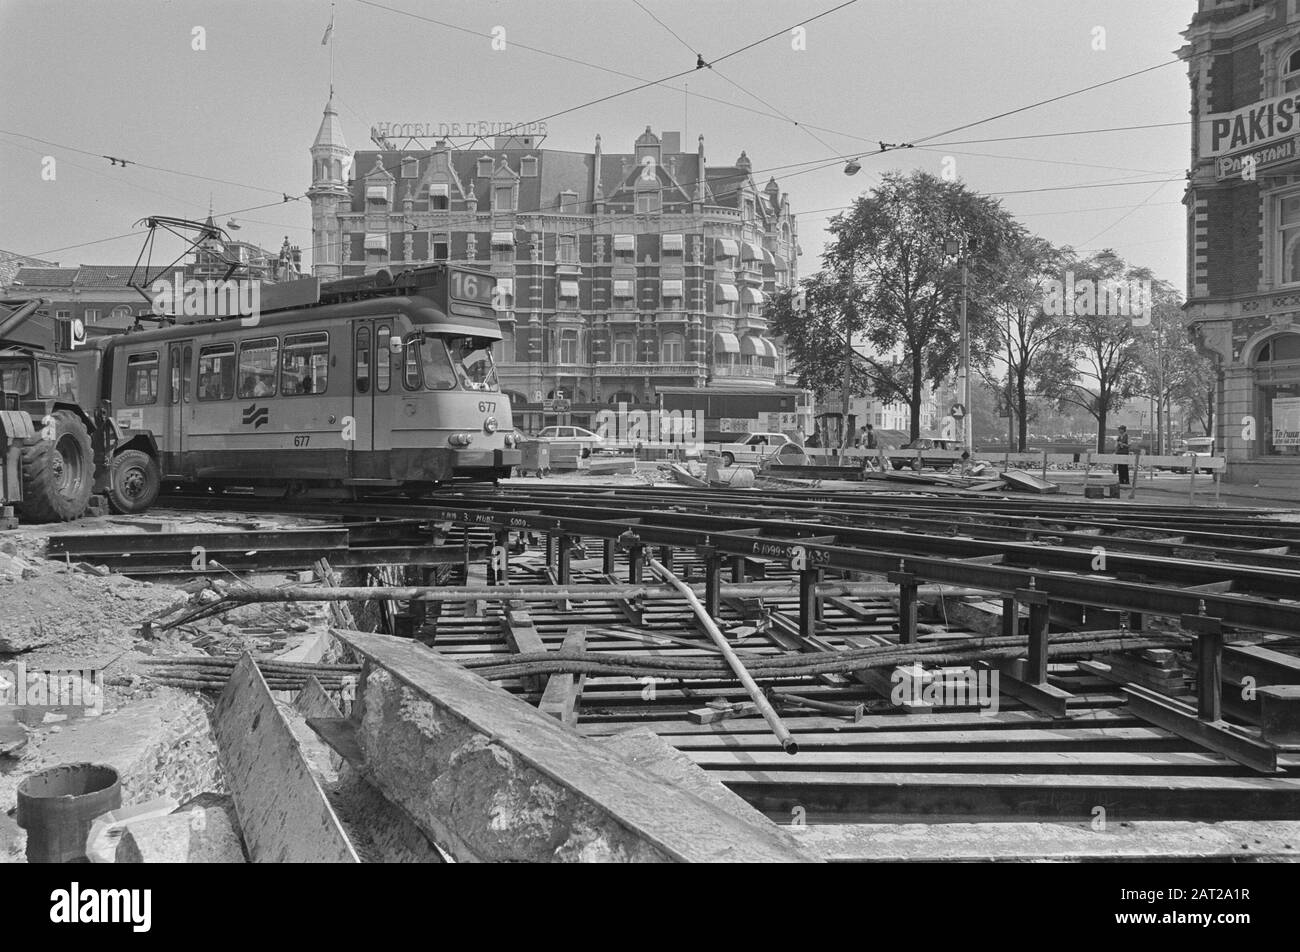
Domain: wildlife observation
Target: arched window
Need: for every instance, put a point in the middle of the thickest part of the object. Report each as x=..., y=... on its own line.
x=1277, y=379
x=1291, y=71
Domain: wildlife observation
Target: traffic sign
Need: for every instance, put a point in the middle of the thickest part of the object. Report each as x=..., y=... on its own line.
x=958, y=410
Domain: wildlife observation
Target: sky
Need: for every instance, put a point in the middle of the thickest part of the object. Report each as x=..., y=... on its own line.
x=231, y=123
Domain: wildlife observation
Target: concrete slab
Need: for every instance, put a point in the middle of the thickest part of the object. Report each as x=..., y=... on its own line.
x=491, y=778
x=193, y=836
x=282, y=808
x=1139, y=840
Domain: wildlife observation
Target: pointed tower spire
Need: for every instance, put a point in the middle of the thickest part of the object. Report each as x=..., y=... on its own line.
x=330, y=156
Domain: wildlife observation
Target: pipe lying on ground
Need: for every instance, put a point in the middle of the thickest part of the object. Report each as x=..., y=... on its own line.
x=733, y=662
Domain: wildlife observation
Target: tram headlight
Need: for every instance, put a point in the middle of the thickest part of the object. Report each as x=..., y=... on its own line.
x=490, y=425
x=461, y=439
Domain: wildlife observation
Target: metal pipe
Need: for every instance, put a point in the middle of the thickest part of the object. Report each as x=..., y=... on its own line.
x=764, y=706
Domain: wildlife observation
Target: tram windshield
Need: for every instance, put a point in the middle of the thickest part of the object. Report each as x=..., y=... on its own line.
x=472, y=357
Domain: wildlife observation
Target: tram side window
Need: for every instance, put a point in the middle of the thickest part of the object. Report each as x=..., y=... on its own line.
x=304, y=367
x=174, y=375
x=411, y=368
x=363, y=360
x=257, y=367
x=142, y=379
x=186, y=373
x=217, y=372
x=438, y=374
x=383, y=359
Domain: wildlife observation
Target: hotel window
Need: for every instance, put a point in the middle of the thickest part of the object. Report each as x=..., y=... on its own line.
x=624, y=349
x=623, y=289
x=567, y=250
x=1288, y=218
x=503, y=198
x=1291, y=72
x=485, y=165
x=647, y=203
x=672, y=295
x=673, y=350
x=437, y=198
x=624, y=249
x=528, y=166
x=441, y=250
x=376, y=194
x=672, y=249
x=567, y=299
x=568, y=347
x=410, y=168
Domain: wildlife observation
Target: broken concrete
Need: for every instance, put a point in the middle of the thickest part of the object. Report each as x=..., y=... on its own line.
x=196, y=835
x=491, y=778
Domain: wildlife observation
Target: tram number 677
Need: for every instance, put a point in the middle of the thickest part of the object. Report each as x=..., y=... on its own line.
x=301, y=439
x=487, y=406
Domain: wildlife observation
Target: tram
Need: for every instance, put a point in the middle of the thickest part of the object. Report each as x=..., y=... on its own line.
x=385, y=380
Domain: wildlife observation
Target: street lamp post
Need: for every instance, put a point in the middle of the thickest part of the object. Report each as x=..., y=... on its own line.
x=960, y=246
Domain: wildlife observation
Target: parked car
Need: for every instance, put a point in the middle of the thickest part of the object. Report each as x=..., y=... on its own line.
x=1196, y=446
x=754, y=448
x=588, y=441
x=921, y=443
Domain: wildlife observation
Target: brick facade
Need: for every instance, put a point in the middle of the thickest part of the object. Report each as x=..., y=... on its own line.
x=1243, y=260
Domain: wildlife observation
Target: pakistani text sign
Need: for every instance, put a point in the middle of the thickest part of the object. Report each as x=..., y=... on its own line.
x=1250, y=127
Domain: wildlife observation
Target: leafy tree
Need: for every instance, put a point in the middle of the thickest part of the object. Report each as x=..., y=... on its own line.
x=1095, y=363
x=1026, y=333
x=1164, y=349
x=887, y=269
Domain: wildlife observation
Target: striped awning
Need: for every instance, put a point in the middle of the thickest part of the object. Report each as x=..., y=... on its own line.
x=438, y=190
x=753, y=296
x=625, y=243
x=769, y=346
x=672, y=289
x=672, y=242
x=568, y=289
x=767, y=257
x=503, y=239
x=752, y=346
x=727, y=248
x=748, y=252
x=377, y=242
x=781, y=263
x=376, y=193
x=724, y=343
x=727, y=292
x=623, y=289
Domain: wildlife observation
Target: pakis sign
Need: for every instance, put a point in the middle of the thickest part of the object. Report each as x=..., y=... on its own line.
x=1250, y=127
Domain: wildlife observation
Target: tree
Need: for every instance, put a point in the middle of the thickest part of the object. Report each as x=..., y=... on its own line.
x=1163, y=362
x=1197, y=387
x=813, y=337
x=1027, y=334
x=887, y=263
x=1094, y=364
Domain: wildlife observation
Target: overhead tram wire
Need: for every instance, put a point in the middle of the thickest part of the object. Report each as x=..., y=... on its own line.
x=727, y=79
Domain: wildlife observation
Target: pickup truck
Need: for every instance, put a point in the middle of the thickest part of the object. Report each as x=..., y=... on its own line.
x=754, y=448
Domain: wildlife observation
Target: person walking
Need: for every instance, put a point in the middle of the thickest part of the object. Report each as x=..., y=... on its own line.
x=1121, y=448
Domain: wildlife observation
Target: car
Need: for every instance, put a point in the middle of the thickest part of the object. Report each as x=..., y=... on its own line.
x=1195, y=446
x=754, y=448
x=590, y=442
x=921, y=443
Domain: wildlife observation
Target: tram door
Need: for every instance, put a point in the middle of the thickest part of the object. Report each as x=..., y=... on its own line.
x=370, y=365
x=180, y=400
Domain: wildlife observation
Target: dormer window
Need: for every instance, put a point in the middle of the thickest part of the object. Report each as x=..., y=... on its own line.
x=485, y=166
x=410, y=168
x=503, y=198
x=528, y=166
x=376, y=195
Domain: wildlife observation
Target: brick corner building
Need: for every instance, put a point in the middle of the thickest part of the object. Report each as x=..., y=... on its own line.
x=1243, y=219
x=626, y=273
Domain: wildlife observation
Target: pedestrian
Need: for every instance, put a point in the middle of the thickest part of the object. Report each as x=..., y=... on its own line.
x=870, y=442
x=1121, y=448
